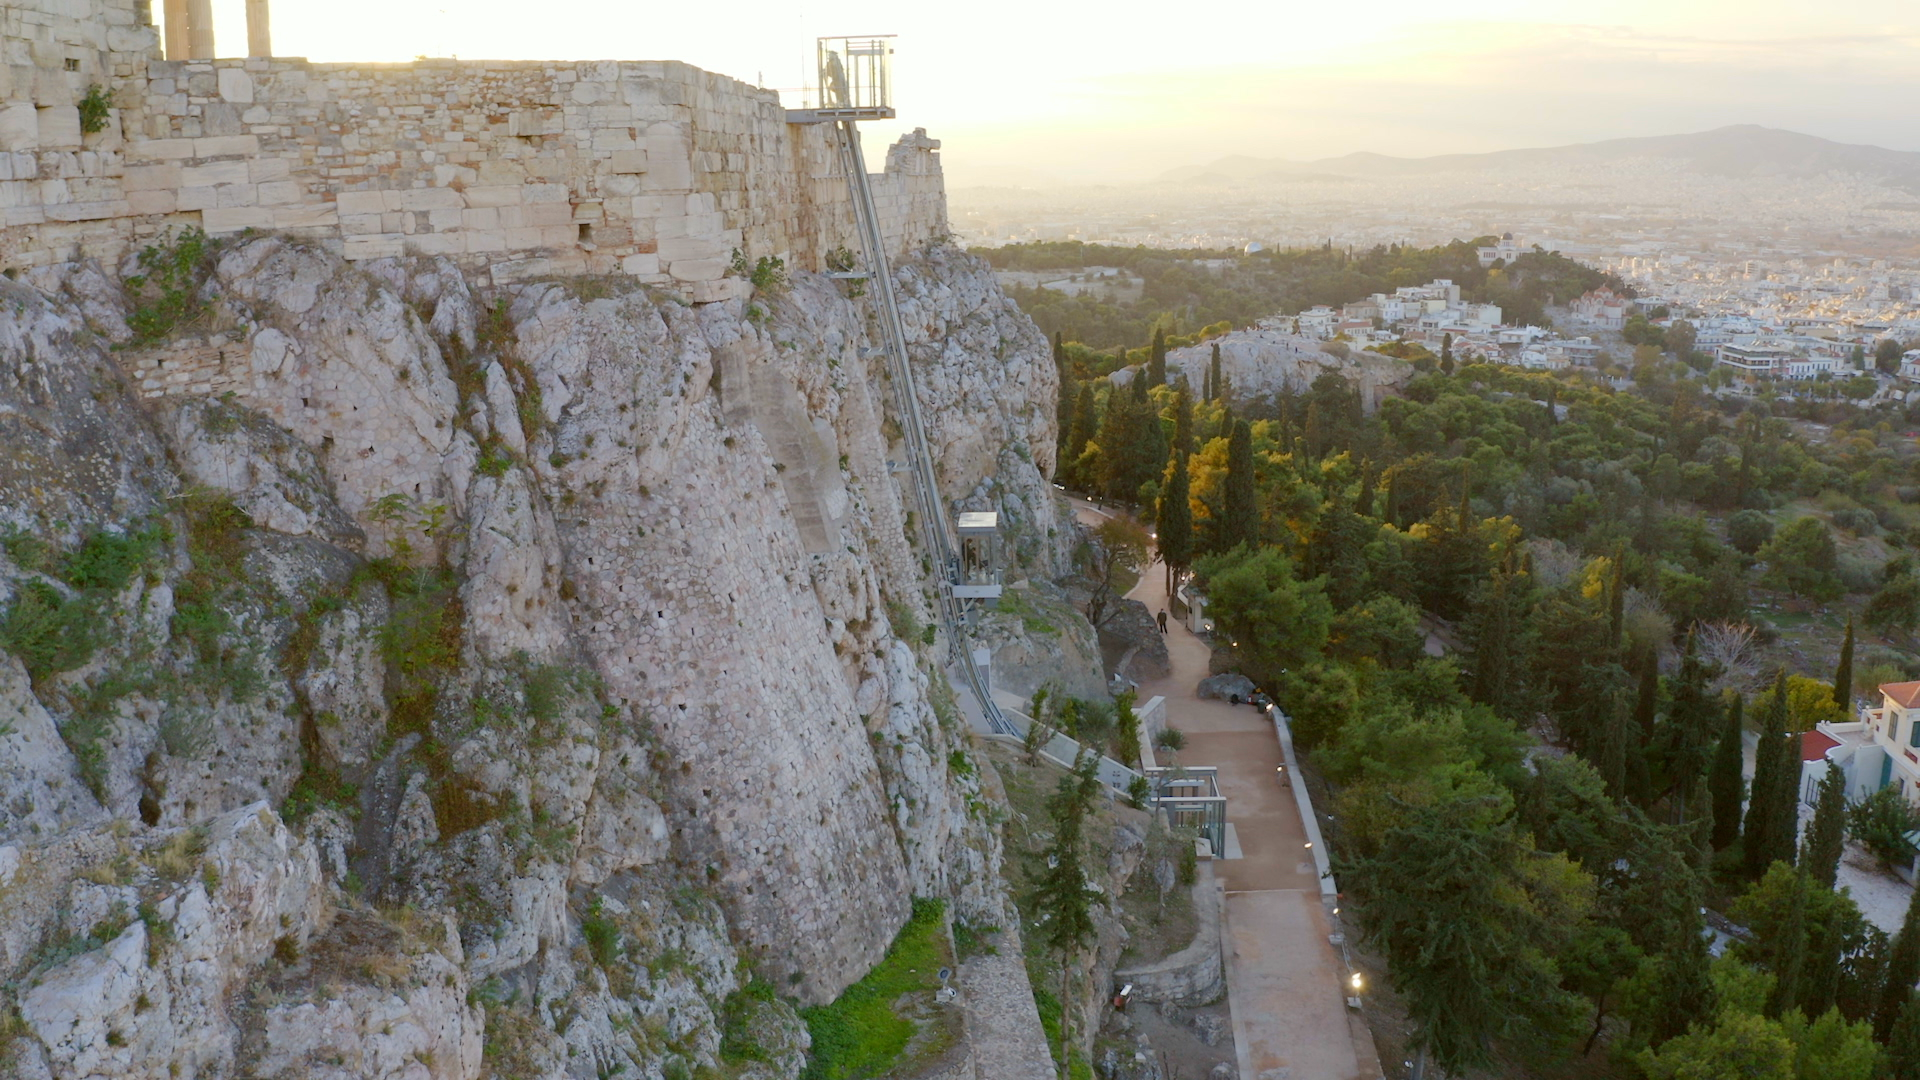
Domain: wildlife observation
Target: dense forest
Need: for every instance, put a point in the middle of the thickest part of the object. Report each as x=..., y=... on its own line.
x=1530, y=825
x=1180, y=293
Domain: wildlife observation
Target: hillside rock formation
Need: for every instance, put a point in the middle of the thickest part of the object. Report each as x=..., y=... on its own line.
x=460, y=681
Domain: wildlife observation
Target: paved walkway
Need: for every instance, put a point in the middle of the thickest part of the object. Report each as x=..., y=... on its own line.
x=1290, y=1020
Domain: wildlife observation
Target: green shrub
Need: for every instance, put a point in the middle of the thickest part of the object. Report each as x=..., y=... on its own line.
x=49, y=632
x=316, y=787
x=94, y=108
x=109, y=561
x=494, y=460
x=1881, y=822
x=769, y=274
x=602, y=934
x=167, y=289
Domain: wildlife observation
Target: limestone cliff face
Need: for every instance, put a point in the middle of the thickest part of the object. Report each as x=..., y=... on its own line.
x=407, y=680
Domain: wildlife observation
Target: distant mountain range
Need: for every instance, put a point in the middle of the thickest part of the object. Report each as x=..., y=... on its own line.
x=1744, y=150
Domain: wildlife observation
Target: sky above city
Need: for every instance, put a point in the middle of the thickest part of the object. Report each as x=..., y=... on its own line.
x=1046, y=92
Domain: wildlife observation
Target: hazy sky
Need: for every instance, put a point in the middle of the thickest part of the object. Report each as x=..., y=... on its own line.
x=1038, y=91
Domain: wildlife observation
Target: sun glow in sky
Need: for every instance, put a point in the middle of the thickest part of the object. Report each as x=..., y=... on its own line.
x=1042, y=91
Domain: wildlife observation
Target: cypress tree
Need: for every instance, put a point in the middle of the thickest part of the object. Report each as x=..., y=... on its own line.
x=1771, y=812
x=1685, y=991
x=1903, y=1043
x=1240, y=515
x=1063, y=417
x=1215, y=388
x=1500, y=635
x=1363, y=502
x=1617, y=601
x=1827, y=836
x=1225, y=430
x=1086, y=421
x=1059, y=356
x=1393, y=498
x=1446, y=353
x=1903, y=967
x=1139, y=387
x=1688, y=732
x=1182, y=422
x=1614, y=744
x=1174, y=523
x=1646, y=703
x=1157, y=358
x=1790, y=955
x=1725, y=783
x=1553, y=418
x=1843, y=676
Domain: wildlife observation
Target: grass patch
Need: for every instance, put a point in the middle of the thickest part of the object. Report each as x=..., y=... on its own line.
x=862, y=1034
x=1015, y=602
x=738, y=1044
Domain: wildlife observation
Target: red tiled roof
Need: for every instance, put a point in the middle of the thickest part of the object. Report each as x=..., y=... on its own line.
x=1815, y=744
x=1904, y=694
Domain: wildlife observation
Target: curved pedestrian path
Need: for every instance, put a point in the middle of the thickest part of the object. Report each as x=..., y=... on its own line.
x=1285, y=978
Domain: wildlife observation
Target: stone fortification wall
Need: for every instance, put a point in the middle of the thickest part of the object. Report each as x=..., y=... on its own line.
x=517, y=169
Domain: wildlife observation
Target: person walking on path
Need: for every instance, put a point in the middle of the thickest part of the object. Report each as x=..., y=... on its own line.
x=1163, y=621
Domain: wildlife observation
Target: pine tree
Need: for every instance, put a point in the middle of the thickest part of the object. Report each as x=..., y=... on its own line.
x=1843, y=675
x=1725, y=782
x=1903, y=967
x=1216, y=389
x=1771, y=812
x=1240, y=514
x=1827, y=836
x=1157, y=358
x=1903, y=1043
x=1174, y=522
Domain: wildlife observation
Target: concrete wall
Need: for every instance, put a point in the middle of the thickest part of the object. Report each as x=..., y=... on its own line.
x=514, y=169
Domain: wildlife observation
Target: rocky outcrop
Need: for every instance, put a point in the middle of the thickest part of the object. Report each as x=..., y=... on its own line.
x=473, y=681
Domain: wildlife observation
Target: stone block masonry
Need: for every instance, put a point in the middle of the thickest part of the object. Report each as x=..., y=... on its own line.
x=515, y=170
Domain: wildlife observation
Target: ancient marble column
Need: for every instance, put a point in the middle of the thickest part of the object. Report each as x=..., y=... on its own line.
x=200, y=29
x=176, y=30
x=259, y=35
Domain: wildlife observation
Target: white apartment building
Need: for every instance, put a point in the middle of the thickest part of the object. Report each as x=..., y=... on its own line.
x=1602, y=307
